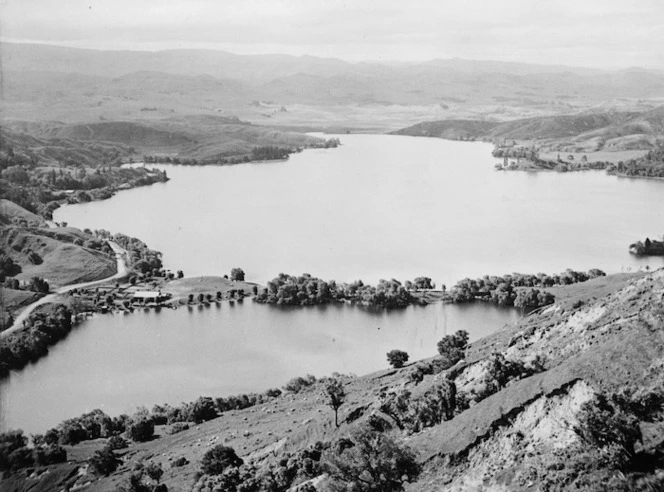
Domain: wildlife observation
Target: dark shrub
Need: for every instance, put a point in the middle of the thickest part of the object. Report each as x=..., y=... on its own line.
x=117, y=442
x=141, y=430
x=203, y=410
x=218, y=459
x=178, y=427
x=453, y=347
x=181, y=461
x=104, y=462
x=391, y=464
x=397, y=358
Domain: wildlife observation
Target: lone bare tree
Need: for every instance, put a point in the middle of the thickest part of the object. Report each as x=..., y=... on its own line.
x=336, y=397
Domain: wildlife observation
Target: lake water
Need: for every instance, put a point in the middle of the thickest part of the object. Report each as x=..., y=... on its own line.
x=376, y=207
x=116, y=362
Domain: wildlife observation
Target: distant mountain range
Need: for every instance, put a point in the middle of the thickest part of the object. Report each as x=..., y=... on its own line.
x=41, y=81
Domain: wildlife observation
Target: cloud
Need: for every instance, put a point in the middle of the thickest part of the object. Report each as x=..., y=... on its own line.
x=590, y=32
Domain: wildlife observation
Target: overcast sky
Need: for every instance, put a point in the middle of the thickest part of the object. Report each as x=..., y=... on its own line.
x=594, y=33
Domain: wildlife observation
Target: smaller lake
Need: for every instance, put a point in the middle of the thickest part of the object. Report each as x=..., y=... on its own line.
x=118, y=362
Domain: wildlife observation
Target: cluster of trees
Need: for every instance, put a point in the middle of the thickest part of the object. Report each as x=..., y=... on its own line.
x=528, y=299
x=147, y=477
x=101, y=177
x=140, y=426
x=156, y=159
x=516, y=152
x=420, y=283
x=330, y=143
x=452, y=348
x=41, y=191
x=649, y=166
x=269, y=153
x=232, y=294
x=434, y=406
x=300, y=383
x=647, y=248
x=397, y=358
x=503, y=290
x=223, y=469
x=141, y=258
x=237, y=274
x=104, y=461
x=206, y=408
x=7, y=266
x=16, y=454
x=307, y=290
x=45, y=328
x=39, y=285
x=92, y=425
x=365, y=461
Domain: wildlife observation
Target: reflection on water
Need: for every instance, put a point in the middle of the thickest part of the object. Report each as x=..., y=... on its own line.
x=117, y=362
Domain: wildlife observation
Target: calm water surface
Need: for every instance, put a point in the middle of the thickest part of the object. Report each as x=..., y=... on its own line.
x=376, y=207
x=384, y=206
x=116, y=362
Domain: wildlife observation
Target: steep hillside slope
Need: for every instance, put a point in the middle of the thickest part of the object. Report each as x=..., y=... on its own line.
x=516, y=414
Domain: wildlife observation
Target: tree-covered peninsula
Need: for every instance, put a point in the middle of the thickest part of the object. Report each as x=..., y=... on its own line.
x=306, y=290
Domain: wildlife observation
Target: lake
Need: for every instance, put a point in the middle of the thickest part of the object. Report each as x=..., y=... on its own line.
x=377, y=207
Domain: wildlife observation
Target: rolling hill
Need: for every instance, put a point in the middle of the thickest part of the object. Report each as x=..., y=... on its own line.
x=200, y=137
x=76, y=85
x=584, y=131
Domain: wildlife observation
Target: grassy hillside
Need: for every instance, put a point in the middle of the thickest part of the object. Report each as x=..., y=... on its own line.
x=11, y=212
x=524, y=414
x=588, y=131
x=203, y=137
x=61, y=256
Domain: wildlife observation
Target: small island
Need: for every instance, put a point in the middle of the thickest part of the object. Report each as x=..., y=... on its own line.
x=647, y=248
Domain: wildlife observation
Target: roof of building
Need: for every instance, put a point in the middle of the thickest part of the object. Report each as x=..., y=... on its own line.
x=147, y=294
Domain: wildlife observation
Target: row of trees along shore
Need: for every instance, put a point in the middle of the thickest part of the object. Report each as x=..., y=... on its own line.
x=516, y=289
x=651, y=165
x=259, y=153
x=307, y=290
x=392, y=463
x=343, y=461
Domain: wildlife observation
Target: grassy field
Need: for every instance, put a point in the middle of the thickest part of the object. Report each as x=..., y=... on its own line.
x=181, y=289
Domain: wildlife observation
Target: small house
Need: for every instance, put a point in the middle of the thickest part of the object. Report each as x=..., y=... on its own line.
x=149, y=296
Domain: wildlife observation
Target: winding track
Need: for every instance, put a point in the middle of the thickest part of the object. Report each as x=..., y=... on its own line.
x=120, y=255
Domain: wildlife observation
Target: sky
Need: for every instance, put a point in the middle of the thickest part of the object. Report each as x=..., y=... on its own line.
x=590, y=33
